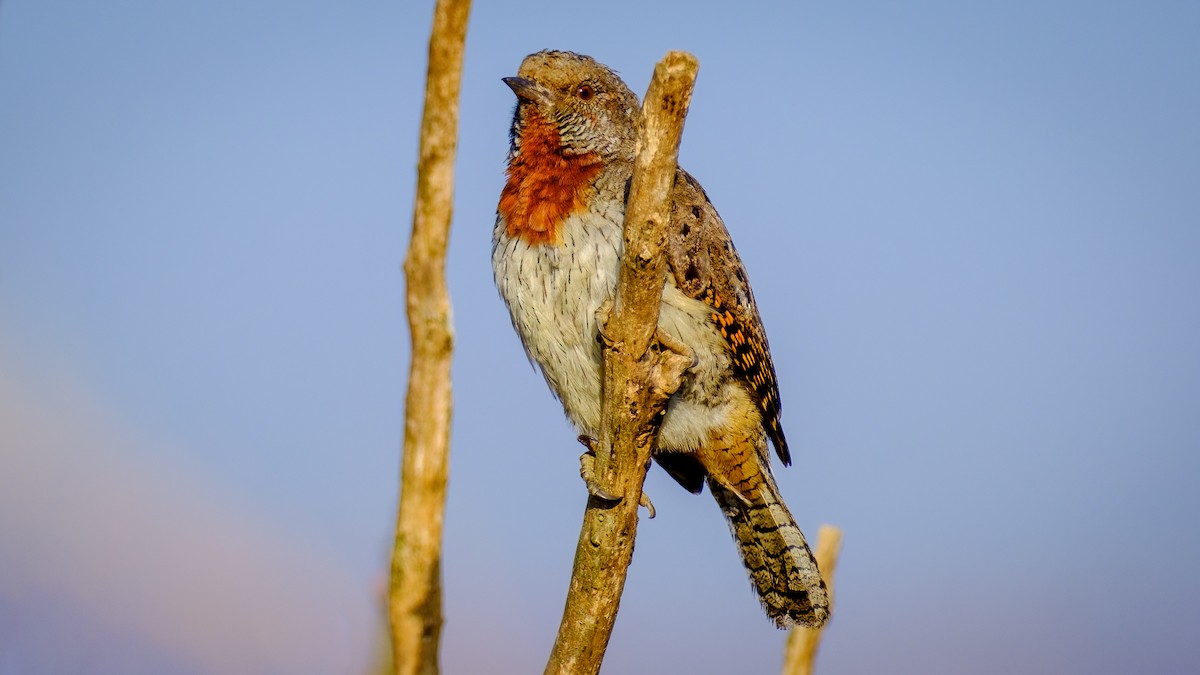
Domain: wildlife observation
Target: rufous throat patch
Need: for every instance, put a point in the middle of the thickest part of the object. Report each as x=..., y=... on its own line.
x=544, y=185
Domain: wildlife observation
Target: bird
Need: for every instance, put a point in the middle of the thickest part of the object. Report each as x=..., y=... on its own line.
x=556, y=251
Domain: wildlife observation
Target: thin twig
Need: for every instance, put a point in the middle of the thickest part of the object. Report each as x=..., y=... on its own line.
x=801, y=651
x=637, y=381
x=415, y=598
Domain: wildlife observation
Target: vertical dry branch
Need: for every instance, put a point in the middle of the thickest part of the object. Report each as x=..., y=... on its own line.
x=801, y=652
x=637, y=380
x=415, y=599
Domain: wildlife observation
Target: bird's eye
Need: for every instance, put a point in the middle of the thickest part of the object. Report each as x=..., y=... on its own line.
x=585, y=92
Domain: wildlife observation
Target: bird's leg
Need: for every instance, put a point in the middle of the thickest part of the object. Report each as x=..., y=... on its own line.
x=587, y=471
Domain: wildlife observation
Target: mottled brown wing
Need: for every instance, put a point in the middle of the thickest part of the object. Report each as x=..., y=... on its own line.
x=706, y=266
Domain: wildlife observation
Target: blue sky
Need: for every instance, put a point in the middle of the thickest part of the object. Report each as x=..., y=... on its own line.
x=972, y=229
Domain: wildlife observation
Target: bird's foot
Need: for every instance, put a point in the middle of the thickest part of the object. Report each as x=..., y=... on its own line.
x=587, y=471
x=686, y=354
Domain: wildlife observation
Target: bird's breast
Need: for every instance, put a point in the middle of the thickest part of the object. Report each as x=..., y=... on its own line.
x=552, y=293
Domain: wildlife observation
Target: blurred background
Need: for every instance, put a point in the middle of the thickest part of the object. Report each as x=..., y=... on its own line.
x=973, y=230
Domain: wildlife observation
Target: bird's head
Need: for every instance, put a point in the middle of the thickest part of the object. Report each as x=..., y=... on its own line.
x=576, y=100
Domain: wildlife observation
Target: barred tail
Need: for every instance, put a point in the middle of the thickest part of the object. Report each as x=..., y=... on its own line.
x=780, y=563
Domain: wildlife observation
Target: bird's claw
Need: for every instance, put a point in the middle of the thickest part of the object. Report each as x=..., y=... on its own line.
x=649, y=506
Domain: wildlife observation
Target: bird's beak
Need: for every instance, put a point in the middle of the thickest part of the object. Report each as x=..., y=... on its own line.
x=528, y=90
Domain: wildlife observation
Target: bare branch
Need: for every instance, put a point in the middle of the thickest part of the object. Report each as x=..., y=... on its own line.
x=801, y=651
x=637, y=381
x=415, y=600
